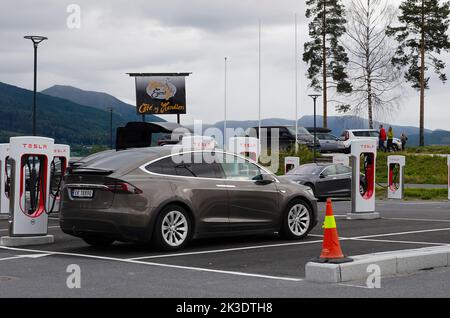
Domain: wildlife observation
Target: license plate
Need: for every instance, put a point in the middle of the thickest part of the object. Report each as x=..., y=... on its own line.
x=82, y=193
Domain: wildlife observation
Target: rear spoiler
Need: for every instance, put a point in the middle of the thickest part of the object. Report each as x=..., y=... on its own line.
x=91, y=171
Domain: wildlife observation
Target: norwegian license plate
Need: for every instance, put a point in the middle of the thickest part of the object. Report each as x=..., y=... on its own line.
x=82, y=194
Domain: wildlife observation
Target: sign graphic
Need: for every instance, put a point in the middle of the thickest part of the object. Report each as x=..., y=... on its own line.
x=160, y=95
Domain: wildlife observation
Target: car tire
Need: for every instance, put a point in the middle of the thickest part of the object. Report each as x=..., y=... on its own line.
x=297, y=220
x=173, y=229
x=396, y=149
x=98, y=241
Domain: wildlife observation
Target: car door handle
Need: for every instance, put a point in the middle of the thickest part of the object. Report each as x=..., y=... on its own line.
x=225, y=186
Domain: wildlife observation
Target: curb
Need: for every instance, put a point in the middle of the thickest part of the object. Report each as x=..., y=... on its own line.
x=390, y=263
x=8, y=241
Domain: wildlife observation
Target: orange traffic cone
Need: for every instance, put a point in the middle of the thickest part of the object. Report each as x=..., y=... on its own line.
x=331, y=249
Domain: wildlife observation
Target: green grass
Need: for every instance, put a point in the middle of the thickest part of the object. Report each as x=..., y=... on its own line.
x=419, y=169
x=417, y=194
x=305, y=155
x=442, y=150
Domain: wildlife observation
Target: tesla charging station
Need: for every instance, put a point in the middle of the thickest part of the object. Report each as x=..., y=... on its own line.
x=396, y=168
x=448, y=164
x=341, y=160
x=4, y=180
x=30, y=185
x=363, y=157
x=58, y=167
x=245, y=146
x=291, y=163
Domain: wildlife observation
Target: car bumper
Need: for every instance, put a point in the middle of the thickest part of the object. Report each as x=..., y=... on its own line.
x=117, y=225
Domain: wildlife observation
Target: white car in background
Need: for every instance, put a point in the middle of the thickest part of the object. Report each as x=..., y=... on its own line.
x=353, y=134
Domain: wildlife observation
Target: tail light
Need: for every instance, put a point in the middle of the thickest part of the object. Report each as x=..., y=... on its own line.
x=347, y=135
x=122, y=187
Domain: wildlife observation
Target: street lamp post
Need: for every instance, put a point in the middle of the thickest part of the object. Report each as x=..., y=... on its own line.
x=36, y=40
x=110, y=127
x=314, y=97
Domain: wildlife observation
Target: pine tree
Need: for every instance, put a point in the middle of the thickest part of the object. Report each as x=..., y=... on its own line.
x=326, y=58
x=421, y=35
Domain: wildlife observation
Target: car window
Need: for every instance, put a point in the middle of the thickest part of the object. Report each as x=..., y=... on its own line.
x=163, y=166
x=236, y=168
x=193, y=166
x=361, y=134
x=374, y=134
x=306, y=169
x=330, y=171
x=341, y=169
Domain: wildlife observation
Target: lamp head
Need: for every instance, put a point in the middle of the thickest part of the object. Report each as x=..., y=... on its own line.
x=36, y=38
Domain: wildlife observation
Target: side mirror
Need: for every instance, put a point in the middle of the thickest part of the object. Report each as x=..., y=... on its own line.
x=322, y=176
x=264, y=179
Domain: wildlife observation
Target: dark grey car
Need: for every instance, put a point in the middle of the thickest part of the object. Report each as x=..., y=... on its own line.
x=325, y=179
x=158, y=195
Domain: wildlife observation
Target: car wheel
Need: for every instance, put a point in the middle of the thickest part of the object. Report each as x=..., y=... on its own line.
x=396, y=149
x=297, y=220
x=173, y=229
x=98, y=241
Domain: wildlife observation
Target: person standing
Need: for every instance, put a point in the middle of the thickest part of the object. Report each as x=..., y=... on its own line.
x=390, y=140
x=404, y=140
x=382, y=139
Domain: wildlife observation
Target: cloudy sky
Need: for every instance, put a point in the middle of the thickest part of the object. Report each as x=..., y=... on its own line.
x=117, y=36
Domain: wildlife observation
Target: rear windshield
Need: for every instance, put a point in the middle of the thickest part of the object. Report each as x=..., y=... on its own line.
x=306, y=170
x=118, y=160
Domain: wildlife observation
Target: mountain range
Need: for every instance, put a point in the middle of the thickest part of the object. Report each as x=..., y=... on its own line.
x=67, y=114
x=81, y=118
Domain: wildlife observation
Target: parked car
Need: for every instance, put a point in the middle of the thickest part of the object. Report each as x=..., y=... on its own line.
x=287, y=136
x=349, y=135
x=155, y=195
x=328, y=142
x=326, y=180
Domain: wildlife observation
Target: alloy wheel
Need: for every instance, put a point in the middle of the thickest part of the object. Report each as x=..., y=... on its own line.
x=299, y=219
x=174, y=228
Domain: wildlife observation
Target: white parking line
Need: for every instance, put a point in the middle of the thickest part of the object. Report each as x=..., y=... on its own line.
x=355, y=286
x=225, y=250
x=392, y=241
x=198, y=269
x=400, y=233
x=420, y=220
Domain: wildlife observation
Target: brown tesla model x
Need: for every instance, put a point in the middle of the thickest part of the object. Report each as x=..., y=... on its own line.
x=168, y=196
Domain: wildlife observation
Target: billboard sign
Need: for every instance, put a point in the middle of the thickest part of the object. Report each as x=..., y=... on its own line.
x=160, y=95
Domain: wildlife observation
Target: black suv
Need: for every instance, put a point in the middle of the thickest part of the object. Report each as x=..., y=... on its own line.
x=286, y=136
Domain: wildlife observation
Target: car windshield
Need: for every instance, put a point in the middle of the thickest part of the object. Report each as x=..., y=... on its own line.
x=301, y=130
x=307, y=169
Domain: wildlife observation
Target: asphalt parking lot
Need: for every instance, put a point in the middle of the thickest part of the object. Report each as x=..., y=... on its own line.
x=262, y=266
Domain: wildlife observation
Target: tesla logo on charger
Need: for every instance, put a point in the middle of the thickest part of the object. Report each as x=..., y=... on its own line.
x=59, y=151
x=367, y=147
x=248, y=146
x=35, y=146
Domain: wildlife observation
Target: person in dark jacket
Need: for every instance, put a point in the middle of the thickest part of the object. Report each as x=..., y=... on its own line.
x=404, y=140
